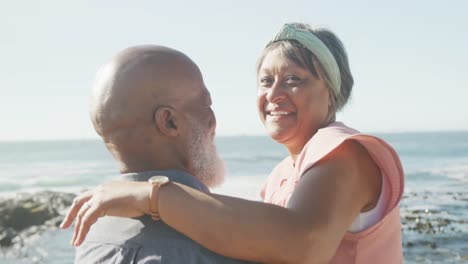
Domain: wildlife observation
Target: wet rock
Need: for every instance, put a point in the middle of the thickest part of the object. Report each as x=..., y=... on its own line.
x=435, y=227
x=6, y=237
x=28, y=215
x=430, y=244
x=409, y=244
x=24, y=215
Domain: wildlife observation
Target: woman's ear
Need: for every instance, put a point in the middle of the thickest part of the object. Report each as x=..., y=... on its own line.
x=166, y=121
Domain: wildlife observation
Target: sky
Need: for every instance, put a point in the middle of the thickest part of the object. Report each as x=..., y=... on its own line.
x=409, y=58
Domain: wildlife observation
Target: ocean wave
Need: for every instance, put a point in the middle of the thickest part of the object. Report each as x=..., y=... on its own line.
x=35, y=168
x=457, y=172
x=242, y=186
x=54, y=175
x=256, y=158
x=6, y=186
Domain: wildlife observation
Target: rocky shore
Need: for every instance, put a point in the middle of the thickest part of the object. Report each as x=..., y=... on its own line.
x=435, y=227
x=26, y=216
x=434, y=224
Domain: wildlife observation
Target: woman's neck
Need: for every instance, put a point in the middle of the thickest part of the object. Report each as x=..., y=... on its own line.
x=295, y=147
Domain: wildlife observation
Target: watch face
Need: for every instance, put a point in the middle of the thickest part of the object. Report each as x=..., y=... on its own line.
x=158, y=179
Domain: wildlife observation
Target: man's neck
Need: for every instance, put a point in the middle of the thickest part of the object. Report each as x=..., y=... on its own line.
x=134, y=162
x=174, y=175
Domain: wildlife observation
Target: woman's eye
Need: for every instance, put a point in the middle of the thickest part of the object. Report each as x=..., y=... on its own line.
x=292, y=80
x=265, y=81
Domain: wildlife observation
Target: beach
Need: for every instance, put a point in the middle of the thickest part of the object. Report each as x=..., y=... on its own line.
x=434, y=209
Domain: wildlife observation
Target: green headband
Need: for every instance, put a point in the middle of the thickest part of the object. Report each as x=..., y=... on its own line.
x=317, y=47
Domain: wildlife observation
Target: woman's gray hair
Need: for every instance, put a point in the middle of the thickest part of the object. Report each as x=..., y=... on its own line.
x=303, y=57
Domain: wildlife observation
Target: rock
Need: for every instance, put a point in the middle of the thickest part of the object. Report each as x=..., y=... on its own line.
x=28, y=214
x=6, y=237
x=31, y=214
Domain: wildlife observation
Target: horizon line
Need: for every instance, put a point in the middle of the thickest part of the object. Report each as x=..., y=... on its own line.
x=231, y=135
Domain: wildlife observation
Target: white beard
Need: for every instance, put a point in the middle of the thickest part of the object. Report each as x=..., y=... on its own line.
x=207, y=165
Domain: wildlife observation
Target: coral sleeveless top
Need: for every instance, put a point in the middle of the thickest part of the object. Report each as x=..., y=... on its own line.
x=379, y=243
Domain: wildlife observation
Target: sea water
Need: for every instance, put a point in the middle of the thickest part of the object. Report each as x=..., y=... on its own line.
x=435, y=165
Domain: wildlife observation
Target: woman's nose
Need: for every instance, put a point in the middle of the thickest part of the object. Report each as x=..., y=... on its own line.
x=276, y=93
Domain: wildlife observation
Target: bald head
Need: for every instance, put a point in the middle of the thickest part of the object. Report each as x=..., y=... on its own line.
x=134, y=83
x=141, y=104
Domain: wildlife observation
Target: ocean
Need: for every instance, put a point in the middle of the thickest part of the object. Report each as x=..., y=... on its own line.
x=434, y=208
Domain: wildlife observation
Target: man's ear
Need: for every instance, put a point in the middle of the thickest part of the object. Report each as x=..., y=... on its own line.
x=166, y=121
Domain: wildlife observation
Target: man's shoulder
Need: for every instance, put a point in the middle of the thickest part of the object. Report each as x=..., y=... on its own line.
x=142, y=240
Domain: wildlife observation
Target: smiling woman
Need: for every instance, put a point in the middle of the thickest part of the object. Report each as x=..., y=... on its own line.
x=334, y=199
x=292, y=102
x=290, y=77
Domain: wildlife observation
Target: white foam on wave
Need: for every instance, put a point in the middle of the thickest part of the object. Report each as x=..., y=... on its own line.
x=15, y=193
x=48, y=168
x=58, y=176
x=242, y=186
x=457, y=172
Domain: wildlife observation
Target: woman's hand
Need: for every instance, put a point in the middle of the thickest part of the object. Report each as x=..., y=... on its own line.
x=116, y=198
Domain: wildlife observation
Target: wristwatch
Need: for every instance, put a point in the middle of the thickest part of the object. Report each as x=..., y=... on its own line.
x=157, y=182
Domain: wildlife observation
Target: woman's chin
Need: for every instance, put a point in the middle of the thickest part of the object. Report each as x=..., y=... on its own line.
x=279, y=135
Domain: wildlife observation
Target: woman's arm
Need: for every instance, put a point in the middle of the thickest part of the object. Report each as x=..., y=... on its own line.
x=323, y=206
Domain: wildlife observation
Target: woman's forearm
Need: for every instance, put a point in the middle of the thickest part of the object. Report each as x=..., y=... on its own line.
x=321, y=209
x=234, y=227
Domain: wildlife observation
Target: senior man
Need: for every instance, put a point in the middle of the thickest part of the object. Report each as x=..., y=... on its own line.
x=153, y=111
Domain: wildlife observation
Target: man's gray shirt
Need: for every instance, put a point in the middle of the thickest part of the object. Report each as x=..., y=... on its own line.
x=143, y=240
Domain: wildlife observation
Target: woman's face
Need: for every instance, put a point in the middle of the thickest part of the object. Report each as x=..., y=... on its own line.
x=292, y=102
